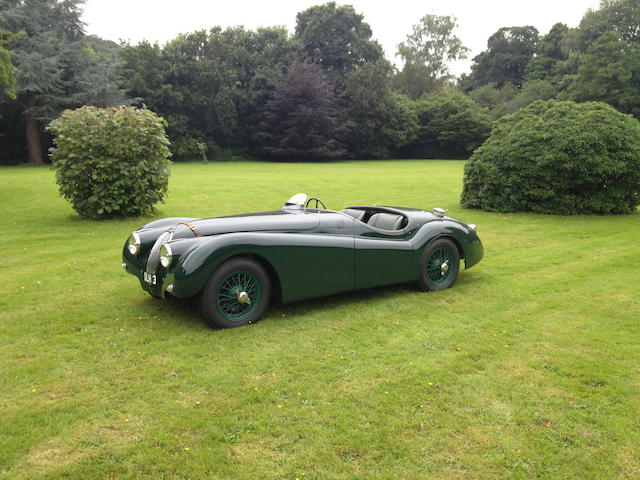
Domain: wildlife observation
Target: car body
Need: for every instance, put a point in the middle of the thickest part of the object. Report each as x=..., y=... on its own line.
x=296, y=253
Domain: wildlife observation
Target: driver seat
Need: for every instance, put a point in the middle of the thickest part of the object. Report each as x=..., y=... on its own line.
x=386, y=221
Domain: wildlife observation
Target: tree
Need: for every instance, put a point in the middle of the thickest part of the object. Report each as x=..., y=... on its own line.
x=337, y=39
x=383, y=121
x=550, y=56
x=530, y=92
x=610, y=72
x=426, y=53
x=208, y=83
x=509, y=50
x=492, y=98
x=53, y=67
x=619, y=16
x=451, y=126
x=7, y=82
x=558, y=158
x=303, y=118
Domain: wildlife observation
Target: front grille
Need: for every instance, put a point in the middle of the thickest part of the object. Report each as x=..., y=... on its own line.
x=154, y=256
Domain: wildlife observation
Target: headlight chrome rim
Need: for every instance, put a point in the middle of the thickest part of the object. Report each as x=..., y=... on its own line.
x=134, y=246
x=166, y=255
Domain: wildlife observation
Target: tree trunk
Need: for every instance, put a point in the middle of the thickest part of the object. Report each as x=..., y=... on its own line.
x=32, y=131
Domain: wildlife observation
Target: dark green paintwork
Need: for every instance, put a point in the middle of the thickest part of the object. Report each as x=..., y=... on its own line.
x=308, y=253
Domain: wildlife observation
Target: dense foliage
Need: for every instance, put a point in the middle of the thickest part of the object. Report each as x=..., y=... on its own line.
x=559, y=158
x=57, y=66
x=111, y=162
x=508, y=53
x=337, y=38
x=610, y=73
x=426, y=54
x=303, y=117
x=217, y=88
x=451, y=125
x=7, y=81
x=382, y=120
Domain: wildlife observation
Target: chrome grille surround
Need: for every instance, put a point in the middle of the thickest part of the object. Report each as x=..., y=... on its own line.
x=154, y=255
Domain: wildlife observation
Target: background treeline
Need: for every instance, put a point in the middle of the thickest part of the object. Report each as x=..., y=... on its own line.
x=323, y=91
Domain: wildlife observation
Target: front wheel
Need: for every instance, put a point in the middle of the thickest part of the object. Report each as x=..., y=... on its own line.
x=236, y=294
x=439, y=266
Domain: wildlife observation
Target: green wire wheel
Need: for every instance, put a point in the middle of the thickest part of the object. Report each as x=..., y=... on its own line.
x=440, y=265
x=238, y=296
x=237, y=293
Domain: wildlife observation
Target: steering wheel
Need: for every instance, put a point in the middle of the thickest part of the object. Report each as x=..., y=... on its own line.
x=317, y=200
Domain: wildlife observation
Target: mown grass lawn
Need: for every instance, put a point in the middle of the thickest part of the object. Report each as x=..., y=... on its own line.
x=528, y=368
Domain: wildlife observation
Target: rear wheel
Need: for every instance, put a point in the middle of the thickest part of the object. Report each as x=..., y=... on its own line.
x=236, y=294
x=439, y=265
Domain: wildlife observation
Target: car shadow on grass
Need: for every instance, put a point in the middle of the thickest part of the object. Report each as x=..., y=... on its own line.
x=186, y=312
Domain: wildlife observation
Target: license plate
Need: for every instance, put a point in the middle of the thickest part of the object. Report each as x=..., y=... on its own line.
x=150, y=279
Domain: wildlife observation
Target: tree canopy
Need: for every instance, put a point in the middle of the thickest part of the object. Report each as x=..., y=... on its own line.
x=218, y=88
x=303, y=120
x=55, y=67
x=610, y=73
x=337, y=38
x=426, y=54
x=508, y=52
x=7, y=81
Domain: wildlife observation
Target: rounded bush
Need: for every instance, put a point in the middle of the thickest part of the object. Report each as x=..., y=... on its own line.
x=559, y=158
x=111, y=162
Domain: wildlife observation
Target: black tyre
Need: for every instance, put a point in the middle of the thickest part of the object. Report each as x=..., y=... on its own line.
x=439, y=266
x=236, y=294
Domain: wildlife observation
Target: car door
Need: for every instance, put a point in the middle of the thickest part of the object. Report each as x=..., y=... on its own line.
x=319, y=262
x=381, y=258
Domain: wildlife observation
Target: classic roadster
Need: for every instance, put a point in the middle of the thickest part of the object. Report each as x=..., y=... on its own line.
x=236, y=265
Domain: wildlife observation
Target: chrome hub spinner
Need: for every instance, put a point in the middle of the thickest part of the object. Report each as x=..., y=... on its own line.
x=444, y=268
x=243, y=297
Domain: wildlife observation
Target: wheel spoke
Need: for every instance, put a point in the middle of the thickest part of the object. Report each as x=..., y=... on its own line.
x=439, y=265
x=227, y=296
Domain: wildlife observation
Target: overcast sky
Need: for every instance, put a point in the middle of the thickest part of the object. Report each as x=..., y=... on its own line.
x=390, y=20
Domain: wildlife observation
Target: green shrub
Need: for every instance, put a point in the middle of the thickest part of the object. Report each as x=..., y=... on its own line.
x=452, y=125
x=111, y=162
x=560, y=158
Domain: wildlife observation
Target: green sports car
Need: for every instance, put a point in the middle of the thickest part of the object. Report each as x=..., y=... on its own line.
x=235, y=266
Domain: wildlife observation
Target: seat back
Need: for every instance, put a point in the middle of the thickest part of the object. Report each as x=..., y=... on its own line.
x=386, y=221
x=354, y=212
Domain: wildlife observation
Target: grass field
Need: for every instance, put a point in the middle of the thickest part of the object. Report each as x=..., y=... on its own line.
x=528, y=368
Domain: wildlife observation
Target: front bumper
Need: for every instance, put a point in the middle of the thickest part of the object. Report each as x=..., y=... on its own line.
x=157, y=285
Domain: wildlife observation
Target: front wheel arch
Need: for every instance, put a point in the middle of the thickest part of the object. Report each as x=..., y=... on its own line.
x=451, y=239
x=276, y=288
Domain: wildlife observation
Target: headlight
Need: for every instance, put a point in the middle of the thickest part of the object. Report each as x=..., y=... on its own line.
x=473, y=227
x=133, y=244
x=165, y=255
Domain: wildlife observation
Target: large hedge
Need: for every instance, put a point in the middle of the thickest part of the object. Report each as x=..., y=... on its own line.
x=111, y=162
x=559, y=158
